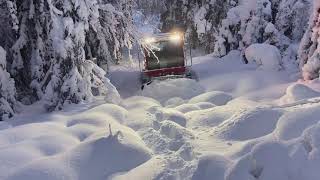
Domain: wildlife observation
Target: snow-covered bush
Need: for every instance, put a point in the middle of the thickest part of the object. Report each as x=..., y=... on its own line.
x=264, y=55
x=8, y=101
x=243, y=26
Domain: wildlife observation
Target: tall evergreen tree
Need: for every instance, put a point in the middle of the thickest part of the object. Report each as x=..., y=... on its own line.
x=309, y=52
x=8, y=102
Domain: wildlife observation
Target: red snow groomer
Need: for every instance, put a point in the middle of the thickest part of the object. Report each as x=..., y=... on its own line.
x=165, y=57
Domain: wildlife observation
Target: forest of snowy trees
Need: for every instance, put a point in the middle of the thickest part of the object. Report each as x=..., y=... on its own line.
x=54, y=50
x=58, y=51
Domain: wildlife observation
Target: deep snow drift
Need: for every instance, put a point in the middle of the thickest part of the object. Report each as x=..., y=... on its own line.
x=239, y=122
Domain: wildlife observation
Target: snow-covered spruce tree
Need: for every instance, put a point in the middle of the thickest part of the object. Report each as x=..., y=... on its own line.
x=150, y=7
x=8, y=102
x=9, y=23
x=207, y=21
x=180, y=14
x=199, y=19
x=32, y=53
x=75, y=79
x=309, y=52
x=292, y=17
x=117, y=29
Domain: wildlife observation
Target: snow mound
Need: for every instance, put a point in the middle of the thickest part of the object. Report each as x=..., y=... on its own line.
x=215, y=97
x=173, y=130
x=250, y=124
x=174, y=102
x=72, y=146
x=279, y=160
x=148, y=171
x=211, y=166
x=213, y=116
x=167, y=89
x=291, y=125
x=137, y=102
x=96, y=159
x=143, y=112
x=268, y=160
x=311, y=139
x=298, y=92
x=175, y=116
x=266, y=56
x=205, y=105
x=185, y=108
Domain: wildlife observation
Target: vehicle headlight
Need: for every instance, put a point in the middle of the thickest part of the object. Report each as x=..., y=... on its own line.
x=176, y=37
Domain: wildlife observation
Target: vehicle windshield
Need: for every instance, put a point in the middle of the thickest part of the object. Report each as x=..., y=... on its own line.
x=166, y=54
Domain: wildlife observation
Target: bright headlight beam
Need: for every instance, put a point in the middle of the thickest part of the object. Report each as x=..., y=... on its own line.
x=176, y=37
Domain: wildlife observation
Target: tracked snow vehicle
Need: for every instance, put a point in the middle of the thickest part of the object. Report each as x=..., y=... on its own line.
x=165, y=57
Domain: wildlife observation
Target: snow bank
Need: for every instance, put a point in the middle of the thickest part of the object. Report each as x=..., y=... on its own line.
x=264, y=55
x=298, y=92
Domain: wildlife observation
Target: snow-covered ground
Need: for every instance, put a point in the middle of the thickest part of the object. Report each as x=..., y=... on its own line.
x=239, y=122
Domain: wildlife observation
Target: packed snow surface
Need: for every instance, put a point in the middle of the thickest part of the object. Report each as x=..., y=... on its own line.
x=238, y=122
